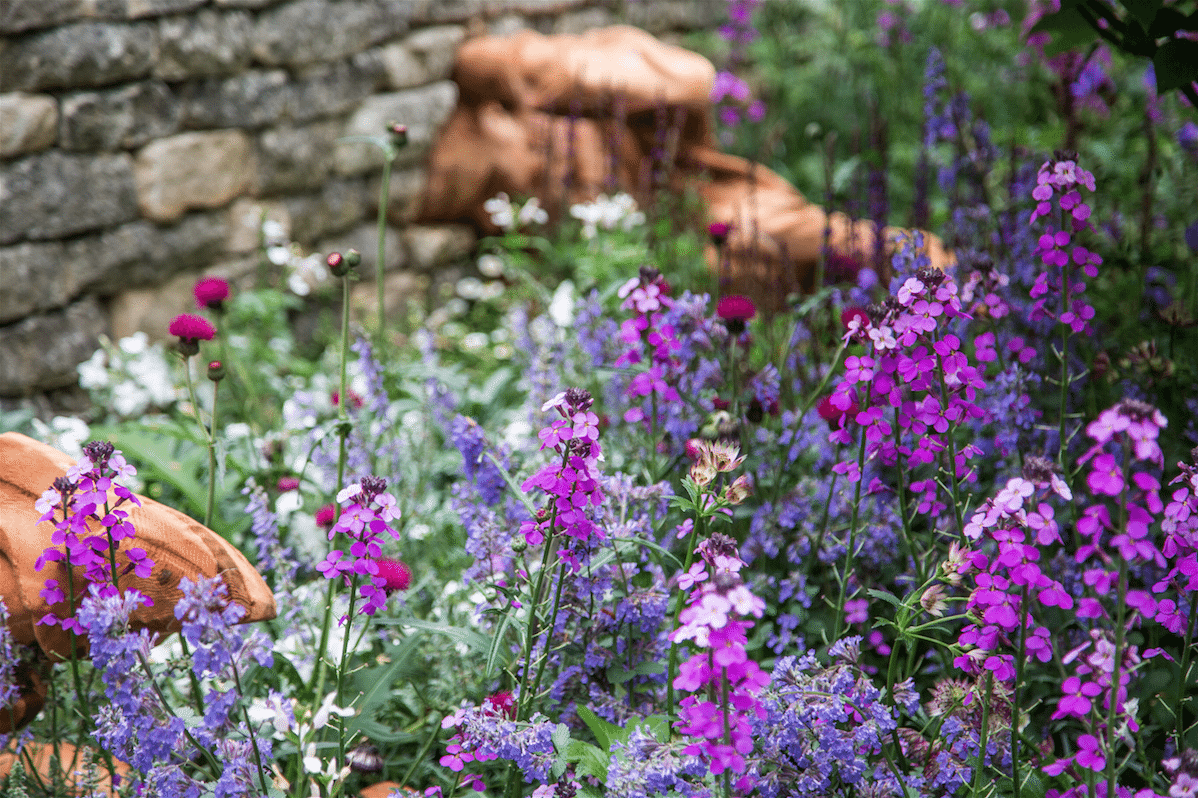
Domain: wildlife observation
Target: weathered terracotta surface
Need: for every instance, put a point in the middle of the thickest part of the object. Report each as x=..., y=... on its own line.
x=383, y=789
x=566, y=117
x=179, y=546
x=37, y=757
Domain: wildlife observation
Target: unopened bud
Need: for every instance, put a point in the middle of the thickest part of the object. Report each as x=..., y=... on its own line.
x=399, y=134
x=739, y=490
x=216, y=371
x=519, y=544
x=353, y=258
x=337, y=264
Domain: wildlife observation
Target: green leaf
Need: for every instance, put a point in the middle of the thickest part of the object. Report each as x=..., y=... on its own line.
x=883, y=595
x=589, y=760
x=1176, y=64
x=1143, y=10
x=604, y=732
x=472, y=638
x=1068, y=29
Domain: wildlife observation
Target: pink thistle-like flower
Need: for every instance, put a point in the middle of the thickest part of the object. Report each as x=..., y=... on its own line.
x=326, y=516
x=210, y=293
x=736, y=308
x=719, y=232
x=395, y=573
x=287, y=484
x=190, y=327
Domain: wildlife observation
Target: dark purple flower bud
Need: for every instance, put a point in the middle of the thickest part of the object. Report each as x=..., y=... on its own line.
x=1038, y=469
x=578, y=399
x=98, y=452
x=372, y=486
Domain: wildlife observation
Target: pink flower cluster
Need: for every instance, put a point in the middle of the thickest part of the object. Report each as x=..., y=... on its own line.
x=720, y=674
x=648, y=337
x=1019, y=521
x=1060, y=179
x=369, y=511
x=572, y=480
x=914, y=373
x=82, y=497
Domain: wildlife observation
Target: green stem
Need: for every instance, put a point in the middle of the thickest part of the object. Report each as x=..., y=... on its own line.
x=353, y=597
x=1120, y=627
x=1179, y=733
x=1015, y=693
x=384, y=195
x=212, y=457
x=848, y=555
x=343, y=432
x=681, y=599
x=983, y=734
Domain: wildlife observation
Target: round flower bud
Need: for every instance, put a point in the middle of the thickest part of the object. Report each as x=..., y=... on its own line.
x=399, y=134
x=519, y=544
x=353, y=258
x=337, y=264
x=216, y=371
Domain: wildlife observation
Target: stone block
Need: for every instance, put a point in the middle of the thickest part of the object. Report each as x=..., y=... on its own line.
x=28, y=123
x=331, y=89
x=431, y=246
x=399, y=289
x=143, y=253
x=207, y=43
x=246, y=3
x=575, y=22
x=117, y=119
x=135, y=9
x=251, y=100
x=666, y=15
x=423, y=57
x=437, y=11
x=82, y=54
x=294, y=159
x=192, y=170
x=150, y=310
x=302, y=32
x=423, y=110
x=22, y=15
x=41, y=352
x=403, y=195
x=338, y=206
x=243, y=231
x=364, y=238
x=55, y=194
x=37, y=269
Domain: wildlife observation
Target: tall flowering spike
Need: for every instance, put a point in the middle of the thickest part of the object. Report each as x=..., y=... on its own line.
x=1059, y=181
x=191, y=329
x=716, y=620
x=211, y=293
x=70, y=503
x=573, y=479
x=367, y=515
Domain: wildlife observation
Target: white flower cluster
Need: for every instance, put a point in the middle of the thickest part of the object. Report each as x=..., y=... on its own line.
x=512, y=215
x=607, y=213
x=130, y=378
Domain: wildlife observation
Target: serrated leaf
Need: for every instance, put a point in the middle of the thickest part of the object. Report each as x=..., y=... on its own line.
x=1176, y=64
x=588, y=760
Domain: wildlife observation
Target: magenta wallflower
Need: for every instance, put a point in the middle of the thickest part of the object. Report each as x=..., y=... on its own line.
x=211, y=292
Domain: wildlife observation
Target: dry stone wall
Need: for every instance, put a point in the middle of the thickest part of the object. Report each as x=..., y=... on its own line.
x=143, y=141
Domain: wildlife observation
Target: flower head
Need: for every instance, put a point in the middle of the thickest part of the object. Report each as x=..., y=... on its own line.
x=191, y=329
x=395, y=573
x=211, y=292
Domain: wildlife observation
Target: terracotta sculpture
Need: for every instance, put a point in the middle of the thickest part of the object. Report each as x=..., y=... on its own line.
x=178, y=545
x=566, y=117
